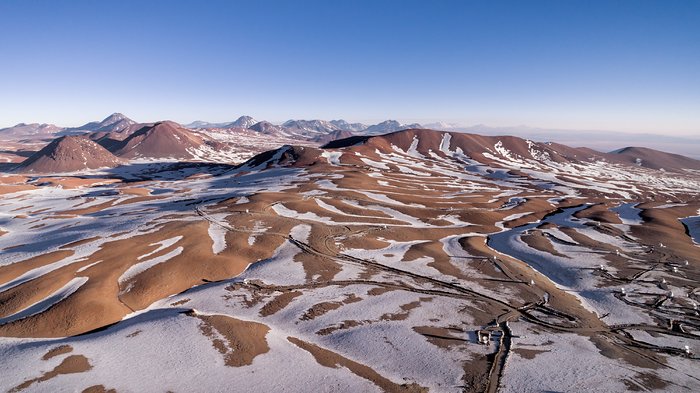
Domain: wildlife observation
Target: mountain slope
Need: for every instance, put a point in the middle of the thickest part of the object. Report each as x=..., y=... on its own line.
x=242, y=122
x=484, y=149
x=69, y=154
x=573, y=171
x=164, y=139
x=654, y=159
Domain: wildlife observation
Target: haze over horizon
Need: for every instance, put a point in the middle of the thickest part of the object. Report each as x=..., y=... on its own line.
x=623, y=66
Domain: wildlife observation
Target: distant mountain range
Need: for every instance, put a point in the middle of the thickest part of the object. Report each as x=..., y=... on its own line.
x=29, y=131
x=307, y=128
x=115, y=122
x=241, y=122
x=323, y=131
x=121, y=124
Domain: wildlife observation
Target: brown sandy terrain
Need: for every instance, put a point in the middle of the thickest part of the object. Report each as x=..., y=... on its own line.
x=419, y=229
x=242, y=340
x=59, y=350
x=13, y=188
x=331, y=359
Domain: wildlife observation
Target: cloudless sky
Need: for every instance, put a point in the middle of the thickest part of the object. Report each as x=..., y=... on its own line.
x=616, y=65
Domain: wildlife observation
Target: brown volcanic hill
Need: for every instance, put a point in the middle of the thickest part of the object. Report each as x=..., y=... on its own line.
x=164, y=139
x=485, y=149
x=480, y=148
x=286, y=156
x=654, y=159
x=509, y=152
x=69, y=154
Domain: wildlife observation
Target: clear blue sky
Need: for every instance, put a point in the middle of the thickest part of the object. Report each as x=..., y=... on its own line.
x=618, y=65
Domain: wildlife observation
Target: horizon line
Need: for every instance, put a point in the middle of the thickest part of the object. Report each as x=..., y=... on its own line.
x=423, y=122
